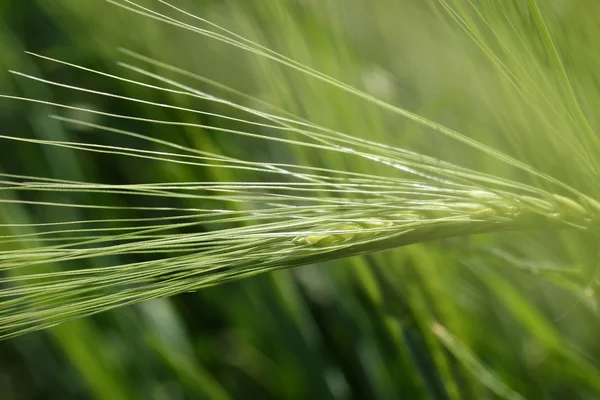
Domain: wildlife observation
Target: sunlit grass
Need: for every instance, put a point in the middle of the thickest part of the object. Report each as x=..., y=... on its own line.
x=254, y=215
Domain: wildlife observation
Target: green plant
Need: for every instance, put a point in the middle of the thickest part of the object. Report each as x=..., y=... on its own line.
x=258, y=216
x=321, y=214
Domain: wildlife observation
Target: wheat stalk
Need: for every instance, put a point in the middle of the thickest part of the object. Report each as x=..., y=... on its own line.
x=299, y=214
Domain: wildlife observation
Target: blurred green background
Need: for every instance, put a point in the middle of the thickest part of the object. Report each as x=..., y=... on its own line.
x=523, y=304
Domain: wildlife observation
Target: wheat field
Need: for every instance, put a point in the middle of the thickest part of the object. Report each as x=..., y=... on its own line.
x=299, y=199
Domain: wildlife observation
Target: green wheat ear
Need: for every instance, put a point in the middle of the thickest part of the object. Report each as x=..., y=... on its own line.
x=297, y=214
